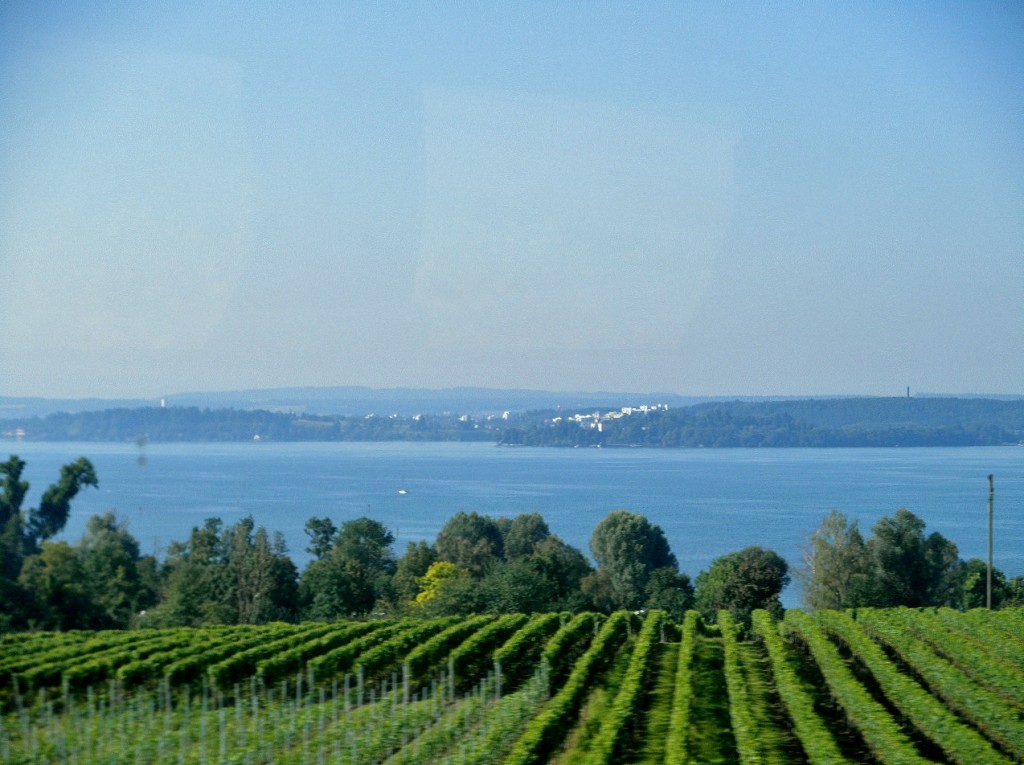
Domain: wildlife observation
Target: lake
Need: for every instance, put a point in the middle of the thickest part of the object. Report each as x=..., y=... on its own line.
x=709, y=502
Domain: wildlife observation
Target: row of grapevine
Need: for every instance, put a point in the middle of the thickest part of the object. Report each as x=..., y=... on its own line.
x=194, y=663
x=242, y=664
x=544, y=731
x=437, y=648
x=47, y=664
x=756, y=740
x=561, y=652
x=475, y=655
x=679, y=721
x=906, y=686
x=177, y=645
x=961, y=743
x=496, y=728
x=382, y=657
x=287, y=662
x=817, y=742
x=986, y=710
x=611, y=738
x=523, y=650
x=881, y=733
x=1005, y=641
x=341, y=659
x=1000, y=676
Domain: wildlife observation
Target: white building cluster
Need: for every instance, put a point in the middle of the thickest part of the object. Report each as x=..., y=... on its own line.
x=597, y=420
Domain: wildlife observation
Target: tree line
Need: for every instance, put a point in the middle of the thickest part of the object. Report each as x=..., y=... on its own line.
x=814, y=423
x=242, y=574
x=860, y=422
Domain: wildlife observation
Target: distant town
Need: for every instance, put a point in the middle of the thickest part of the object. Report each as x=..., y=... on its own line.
x=827, y=422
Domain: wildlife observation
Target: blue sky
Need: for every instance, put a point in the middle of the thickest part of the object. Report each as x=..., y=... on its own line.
x=699, y=198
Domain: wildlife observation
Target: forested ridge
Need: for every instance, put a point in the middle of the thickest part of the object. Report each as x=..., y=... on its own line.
x=860, y=422
x=846, y=422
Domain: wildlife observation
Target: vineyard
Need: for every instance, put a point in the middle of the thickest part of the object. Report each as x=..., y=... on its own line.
x=875, y=685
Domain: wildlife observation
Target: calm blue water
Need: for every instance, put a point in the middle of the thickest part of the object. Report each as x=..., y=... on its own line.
x=709, y=502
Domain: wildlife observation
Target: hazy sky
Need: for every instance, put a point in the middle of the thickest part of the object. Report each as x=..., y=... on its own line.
x=700, y=198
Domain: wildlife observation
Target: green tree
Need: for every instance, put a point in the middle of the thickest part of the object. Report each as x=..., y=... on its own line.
x=974, y=592
x=411, y=566
x=523, y=534
x=110, y=568
x=321, y=533
x=741, y=582
x=237, y=575
x=669, y=591
x=55, y=504
x=1014, y=592
x=909, y=569
x=445, y=588
x=94, y=584
x=54, y=577
x=518, y=586
x=23, y=531
x=596, y=587
x=837, y=569
x=470, y=541
x=260, y=577
x=196, y=588
x=629, y=548
x=564, y=568
x=547, y=579
x=352, y=575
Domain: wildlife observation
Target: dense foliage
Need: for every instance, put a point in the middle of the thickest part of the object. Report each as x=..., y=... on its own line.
x=242, y=574
x=896, y=566
x=880, y=685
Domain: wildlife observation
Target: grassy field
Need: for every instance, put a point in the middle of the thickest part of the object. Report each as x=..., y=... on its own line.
x=881, y=686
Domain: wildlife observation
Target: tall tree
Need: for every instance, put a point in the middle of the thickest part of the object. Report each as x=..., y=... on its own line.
x=261, y=578
x=22, y=531
x=837, y=569
x=111, y=574
x=669, y=591
x=54, y=578
x=354, y=572
x=630, y=548
x=447, y=589
x=908, y=568
x=227, y=576
x=741, y=582
x=470, y=541
x=565, y=568
x=52, y=513
x=523, y=534
x=411, y=566
x=321, y=533
x=94, y=584
x=975, y=584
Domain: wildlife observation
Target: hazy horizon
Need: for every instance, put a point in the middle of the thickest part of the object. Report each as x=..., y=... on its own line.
x=700, y=200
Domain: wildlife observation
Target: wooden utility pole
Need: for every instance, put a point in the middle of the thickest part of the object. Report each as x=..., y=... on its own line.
x=988, y=580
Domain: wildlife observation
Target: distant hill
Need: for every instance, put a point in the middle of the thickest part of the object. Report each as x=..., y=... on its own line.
x=355, y=401
x=18, y=407
x=781, y=423
x=861, y=422
x=352, y=401
x=405, y=402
